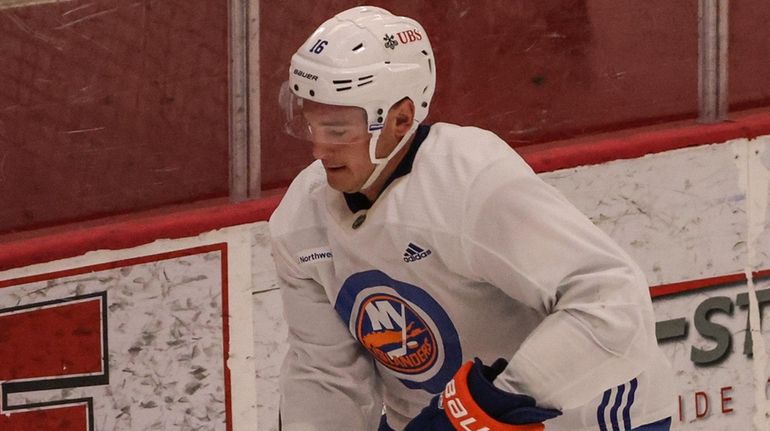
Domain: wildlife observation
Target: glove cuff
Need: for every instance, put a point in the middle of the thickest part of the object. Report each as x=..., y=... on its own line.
x=464, y=413
x=493, y=400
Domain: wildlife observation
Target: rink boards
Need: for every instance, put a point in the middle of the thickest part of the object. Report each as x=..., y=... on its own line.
x=184, y=331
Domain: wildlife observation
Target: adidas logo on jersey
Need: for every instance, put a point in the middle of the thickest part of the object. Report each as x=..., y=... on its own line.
x=414, y=252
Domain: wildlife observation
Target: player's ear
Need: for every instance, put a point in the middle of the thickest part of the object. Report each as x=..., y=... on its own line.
x=402, y=114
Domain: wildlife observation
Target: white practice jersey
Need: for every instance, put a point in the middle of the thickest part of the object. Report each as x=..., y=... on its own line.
x=468, y=255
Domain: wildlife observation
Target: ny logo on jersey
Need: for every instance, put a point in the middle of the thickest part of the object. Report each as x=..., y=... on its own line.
x=396, y=335
x=403, y=327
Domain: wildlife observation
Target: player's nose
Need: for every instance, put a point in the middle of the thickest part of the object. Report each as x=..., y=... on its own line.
x=322, y=151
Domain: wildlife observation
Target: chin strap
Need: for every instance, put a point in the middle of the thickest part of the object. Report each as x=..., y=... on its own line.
x=379, y=164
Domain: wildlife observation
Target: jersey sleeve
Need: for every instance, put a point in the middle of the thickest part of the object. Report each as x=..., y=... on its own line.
x=525, y=238
x=327, y=382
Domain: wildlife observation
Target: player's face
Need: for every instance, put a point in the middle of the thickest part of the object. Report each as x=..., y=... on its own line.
x=341, y=142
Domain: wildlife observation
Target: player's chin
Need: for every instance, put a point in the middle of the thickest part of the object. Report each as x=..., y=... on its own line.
x=341, y=181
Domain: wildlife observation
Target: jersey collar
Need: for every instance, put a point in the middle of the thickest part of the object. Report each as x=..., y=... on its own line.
x=358, y=201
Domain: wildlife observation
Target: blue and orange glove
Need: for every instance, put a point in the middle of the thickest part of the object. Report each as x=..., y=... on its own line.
x=470, y=401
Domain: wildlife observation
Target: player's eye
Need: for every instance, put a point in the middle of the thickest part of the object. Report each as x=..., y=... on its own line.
x=334, y=133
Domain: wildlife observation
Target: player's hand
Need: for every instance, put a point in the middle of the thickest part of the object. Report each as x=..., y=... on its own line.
x=470, y=401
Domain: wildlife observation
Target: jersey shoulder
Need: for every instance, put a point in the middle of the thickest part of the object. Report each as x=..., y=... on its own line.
x=299, y=207
x=459, y=154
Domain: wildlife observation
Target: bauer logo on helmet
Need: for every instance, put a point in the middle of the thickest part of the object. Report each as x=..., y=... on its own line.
x=306, y=75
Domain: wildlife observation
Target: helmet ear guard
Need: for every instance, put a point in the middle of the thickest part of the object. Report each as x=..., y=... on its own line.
x=368, y=58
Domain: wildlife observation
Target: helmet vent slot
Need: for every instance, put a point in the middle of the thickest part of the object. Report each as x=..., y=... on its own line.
x=368, y=79
x=358, y=47
x=347, y=84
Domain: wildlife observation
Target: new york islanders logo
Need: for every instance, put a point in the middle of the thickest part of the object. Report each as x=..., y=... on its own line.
x=403, y=327
x=395, y=334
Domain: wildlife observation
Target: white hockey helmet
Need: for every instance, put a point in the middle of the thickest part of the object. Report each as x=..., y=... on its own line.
x=368, y=58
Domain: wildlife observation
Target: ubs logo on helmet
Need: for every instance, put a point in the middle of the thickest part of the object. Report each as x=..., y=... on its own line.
x=395, y=334
x=409, y=36
x=390, y=41
x=406, y=36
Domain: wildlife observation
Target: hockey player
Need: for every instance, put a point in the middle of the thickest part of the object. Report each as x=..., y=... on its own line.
x=427, y=269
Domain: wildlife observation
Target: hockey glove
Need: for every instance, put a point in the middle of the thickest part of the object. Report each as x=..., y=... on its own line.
x=470, y=401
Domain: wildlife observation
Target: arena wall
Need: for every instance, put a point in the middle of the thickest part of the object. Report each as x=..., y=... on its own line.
x=174, y=321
